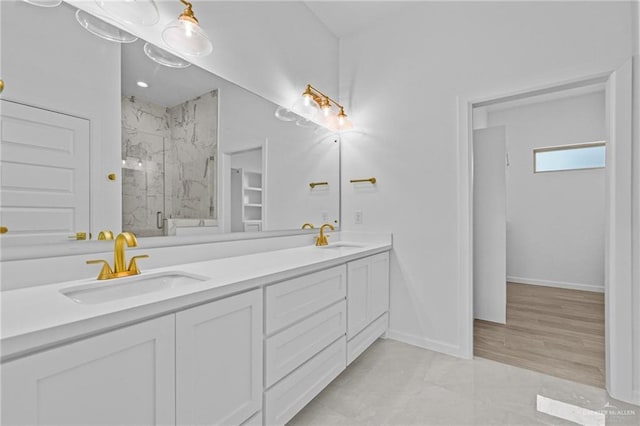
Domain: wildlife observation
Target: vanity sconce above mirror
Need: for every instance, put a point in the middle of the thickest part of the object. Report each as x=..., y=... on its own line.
x=316, y=108
x=183, y=35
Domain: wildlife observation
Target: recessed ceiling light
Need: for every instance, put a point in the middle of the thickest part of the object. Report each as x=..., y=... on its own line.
x=142, y=84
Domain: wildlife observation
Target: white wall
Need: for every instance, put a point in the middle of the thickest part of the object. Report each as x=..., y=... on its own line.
x=555, y=221
x=401, y=80
x=73, y=74
x=248, y=160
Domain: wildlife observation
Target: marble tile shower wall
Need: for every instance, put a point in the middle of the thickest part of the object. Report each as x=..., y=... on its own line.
x=191, y=158
x=169, y=162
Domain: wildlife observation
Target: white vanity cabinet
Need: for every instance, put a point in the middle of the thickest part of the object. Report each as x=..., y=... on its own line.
x=305, y=344
x=367, y=302
x=219, y=361
x=124, y=376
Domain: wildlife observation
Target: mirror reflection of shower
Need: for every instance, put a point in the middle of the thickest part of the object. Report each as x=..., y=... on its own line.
x=169, y=165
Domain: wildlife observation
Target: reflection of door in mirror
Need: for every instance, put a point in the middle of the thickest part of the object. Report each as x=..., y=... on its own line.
x=169, y=165
x=246, y=191
x=45, y=164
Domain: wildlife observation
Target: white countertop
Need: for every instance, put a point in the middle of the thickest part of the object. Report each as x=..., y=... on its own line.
x=36, y=318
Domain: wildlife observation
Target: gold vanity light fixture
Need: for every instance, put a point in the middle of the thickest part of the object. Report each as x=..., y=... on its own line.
x=185, y=34
x=318, y=107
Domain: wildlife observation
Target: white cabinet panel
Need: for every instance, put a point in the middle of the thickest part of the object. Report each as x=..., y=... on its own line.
x=292, y=393
x=366, y=337
x=290, y=301
x=357, y=296
x=121, y=377
x=290, y=348
x=379, y=291
x=219, y=361
x=367, y=291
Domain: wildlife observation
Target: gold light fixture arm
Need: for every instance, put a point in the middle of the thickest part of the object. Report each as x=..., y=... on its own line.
x=187, y=13
x=320, y=97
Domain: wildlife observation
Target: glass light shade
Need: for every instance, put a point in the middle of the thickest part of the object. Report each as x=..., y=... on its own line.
x=187, y=37
x=44, y=3
x=306, y=109
x=335, y=124
x=285, y=114
x=163, y=57
x=102, y=29
x=140, y=12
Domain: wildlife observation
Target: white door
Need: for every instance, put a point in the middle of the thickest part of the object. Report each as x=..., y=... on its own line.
x=219, y=361
x=44, y=174
x=124, y=377
x=489, y=225
x=619, y=251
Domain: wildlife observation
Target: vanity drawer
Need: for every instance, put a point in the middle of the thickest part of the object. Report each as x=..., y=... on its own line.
x=289, y=301
x=287, y=350
x=291, y=394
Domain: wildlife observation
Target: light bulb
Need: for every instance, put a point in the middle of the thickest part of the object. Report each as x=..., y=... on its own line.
x=325, y=106
x=307, y=98
x=139, y=163
x=124, y=162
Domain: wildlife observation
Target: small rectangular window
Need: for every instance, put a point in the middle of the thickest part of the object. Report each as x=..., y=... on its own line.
x=590, y=155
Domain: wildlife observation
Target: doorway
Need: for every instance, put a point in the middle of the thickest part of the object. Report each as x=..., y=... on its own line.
x=244, y=187
x=539, y=222
x=618, y=283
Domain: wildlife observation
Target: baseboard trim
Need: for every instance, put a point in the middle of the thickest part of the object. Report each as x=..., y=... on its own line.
x=558, y=284
x=424, y=343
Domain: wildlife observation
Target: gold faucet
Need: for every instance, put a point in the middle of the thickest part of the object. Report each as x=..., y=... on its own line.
x=321, y=240
x=125, y=239
x=307, y=226
x=105, y=235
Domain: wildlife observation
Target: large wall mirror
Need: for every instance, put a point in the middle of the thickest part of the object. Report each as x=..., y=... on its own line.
x=98, y=135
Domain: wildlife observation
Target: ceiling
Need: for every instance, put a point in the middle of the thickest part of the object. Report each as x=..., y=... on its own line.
x=344, y=18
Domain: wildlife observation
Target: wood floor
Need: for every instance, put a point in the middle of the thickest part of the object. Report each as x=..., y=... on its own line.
x=555, y=331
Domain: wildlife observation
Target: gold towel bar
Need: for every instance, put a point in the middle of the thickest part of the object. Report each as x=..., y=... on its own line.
x=314, y=184
x=370, y=180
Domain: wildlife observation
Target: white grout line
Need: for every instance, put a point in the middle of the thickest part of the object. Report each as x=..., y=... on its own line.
x=570, y=412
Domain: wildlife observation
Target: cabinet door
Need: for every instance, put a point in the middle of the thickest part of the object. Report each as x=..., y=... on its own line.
x=367, y=291
x=357, y=296
x=379, y=285
x=121, y=377
x=219, y=361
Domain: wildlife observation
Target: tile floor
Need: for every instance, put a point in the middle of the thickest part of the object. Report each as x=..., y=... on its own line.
x=393, y=383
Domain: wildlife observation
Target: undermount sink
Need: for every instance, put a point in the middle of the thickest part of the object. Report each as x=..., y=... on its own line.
x=341, y=245
x=121, y=288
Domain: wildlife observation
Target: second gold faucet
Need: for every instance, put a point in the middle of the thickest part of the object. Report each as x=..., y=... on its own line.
x=321, y=240
x=120, y=269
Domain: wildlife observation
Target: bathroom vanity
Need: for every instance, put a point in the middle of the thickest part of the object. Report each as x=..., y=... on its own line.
x=239, y=345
